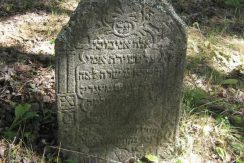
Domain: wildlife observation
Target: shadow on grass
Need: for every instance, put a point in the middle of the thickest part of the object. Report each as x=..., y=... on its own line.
x=216, y=106
x=202, y=68
x=18, y=74
x=11, y=8
x=14, y=54
x=212, y=17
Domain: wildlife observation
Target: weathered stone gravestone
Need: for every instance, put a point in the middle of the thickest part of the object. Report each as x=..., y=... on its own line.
x=119, y=73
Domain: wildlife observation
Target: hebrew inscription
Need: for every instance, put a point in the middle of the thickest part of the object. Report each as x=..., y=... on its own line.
x=119, y=70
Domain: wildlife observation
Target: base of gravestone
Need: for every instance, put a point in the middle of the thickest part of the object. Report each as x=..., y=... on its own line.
x=76, y=157
x=166, y=152
x=82, y=158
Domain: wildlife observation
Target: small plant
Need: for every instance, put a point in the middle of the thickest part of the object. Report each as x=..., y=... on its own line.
x=148, y=159
x=221, y=152
x=69, y=161
x=8, y=7
x=22, y=114
x=230, y=82
x=234, y=3
x=52, y=42
x=192, y=96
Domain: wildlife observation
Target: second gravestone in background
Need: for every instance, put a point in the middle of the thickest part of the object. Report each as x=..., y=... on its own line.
x=119, y=74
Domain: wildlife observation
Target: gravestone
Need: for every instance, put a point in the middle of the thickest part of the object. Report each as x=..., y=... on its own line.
x=119, y=70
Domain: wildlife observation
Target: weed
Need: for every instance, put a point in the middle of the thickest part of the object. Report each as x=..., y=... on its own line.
x=22, y=114
x=192, y=96
x=234, y=3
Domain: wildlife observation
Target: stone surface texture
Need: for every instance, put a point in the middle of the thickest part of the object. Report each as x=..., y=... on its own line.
x=119, y=70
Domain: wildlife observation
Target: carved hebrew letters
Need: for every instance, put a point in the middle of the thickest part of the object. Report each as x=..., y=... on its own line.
x=119, y=73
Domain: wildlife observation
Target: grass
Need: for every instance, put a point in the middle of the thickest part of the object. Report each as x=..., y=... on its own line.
x=12, y=7
x=12, y=152
x=212, y=123
x=205, y=135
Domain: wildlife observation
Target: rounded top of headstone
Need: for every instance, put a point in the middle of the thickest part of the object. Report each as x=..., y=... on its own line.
x=154, y=20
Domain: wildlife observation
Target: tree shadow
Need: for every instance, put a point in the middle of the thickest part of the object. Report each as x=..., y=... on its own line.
x=28, y=78
x=200, y=102
x=201, y=99
x=15, y=54
x=212, y=17
x=11, y=8
x=203, y=68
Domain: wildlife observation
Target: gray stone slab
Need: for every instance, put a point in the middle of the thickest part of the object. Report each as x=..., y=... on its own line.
x=119, y=70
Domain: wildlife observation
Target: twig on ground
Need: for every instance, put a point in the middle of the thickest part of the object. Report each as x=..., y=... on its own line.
x=84, y=154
